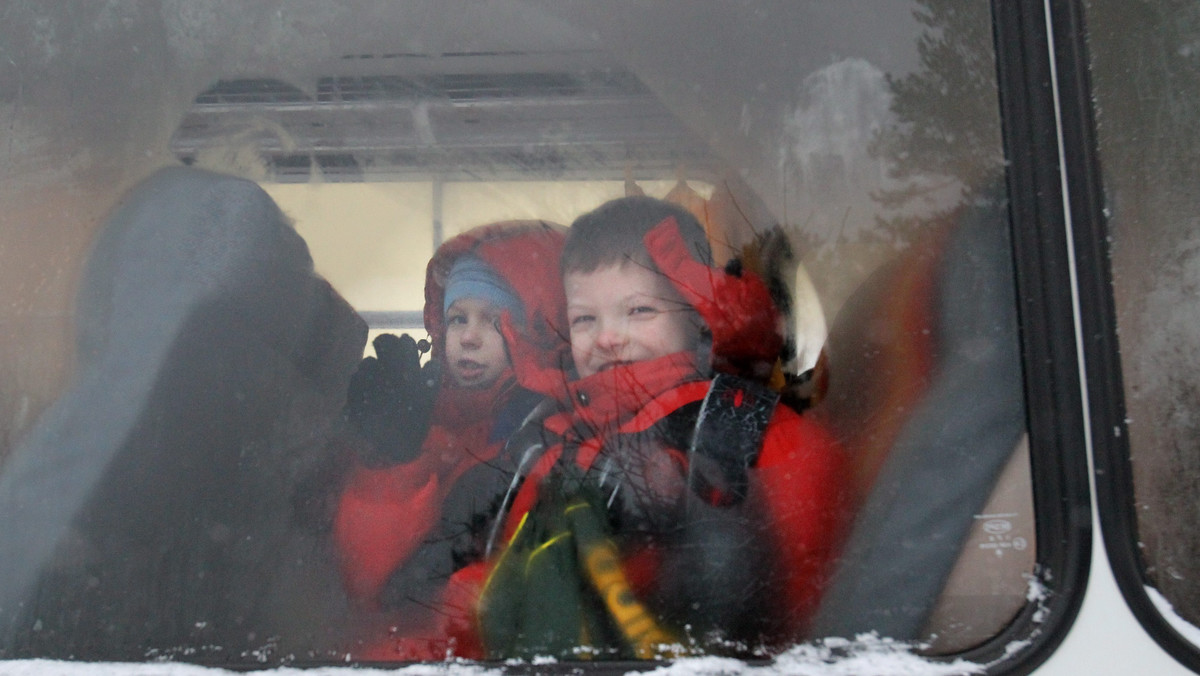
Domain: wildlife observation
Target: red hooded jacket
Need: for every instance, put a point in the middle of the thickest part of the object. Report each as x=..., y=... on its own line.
x=385, y=516
x=799, y=486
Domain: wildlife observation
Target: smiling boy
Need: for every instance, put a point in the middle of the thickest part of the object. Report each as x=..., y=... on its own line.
x=621, y=314
x=722, y=510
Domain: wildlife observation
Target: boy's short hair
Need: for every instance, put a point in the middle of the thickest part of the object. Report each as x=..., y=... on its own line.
x=612, y=233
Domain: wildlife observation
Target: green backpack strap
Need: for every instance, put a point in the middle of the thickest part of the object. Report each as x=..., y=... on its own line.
x=537, y=600
x=559, y=589
x=639, y=633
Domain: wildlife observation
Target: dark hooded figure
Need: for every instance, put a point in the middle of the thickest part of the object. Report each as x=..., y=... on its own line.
x=163, y=507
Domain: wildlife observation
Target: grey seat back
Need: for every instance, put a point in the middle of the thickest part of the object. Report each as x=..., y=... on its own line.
x=932, y=428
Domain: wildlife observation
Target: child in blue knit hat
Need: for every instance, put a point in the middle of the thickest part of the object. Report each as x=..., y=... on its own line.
x=430, y=466
x=476, y=298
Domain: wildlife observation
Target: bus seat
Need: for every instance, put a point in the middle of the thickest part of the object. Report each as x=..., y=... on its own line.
x=989, y=584
x=161, y=503
x=922, y=384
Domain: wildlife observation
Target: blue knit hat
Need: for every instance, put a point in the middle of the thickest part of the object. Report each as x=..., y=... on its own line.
x=471, y=277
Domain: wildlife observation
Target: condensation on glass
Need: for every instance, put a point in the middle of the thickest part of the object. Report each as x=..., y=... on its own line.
x=1147, y=92
x=170, y=388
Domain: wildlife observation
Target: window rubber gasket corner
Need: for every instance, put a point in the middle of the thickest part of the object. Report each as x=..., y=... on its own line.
x=1055, y=405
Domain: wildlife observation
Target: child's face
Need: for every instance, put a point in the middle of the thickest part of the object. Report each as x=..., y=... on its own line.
x=475, y=352
x=625, y=313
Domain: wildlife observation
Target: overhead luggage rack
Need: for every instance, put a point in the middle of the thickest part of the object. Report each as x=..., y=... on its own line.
x=458, y=126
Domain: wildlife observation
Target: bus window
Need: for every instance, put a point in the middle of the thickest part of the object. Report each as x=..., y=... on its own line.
x=838, y=414
x=1146, y=199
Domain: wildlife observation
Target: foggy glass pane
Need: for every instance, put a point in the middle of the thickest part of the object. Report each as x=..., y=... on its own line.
x=210, y=216
x=1146, y=80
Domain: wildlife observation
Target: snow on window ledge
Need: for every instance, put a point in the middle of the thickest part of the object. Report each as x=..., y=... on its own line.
x=866, y=656
x=1186, y=629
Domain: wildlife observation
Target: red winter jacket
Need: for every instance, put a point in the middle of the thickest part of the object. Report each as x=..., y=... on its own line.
x=385, y=515
x=799, y=496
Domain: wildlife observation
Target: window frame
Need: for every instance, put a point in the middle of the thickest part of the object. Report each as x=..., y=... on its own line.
x=1050, y=359
x=1113, y=469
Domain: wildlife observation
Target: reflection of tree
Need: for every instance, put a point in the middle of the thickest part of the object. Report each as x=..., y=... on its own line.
x=1146, y=81
x=934, y=140
x=946, y=133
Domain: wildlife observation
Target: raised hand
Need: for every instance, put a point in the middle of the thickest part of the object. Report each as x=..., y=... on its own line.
x=390, y=399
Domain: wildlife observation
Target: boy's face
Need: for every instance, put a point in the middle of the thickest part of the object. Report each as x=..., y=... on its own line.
x=621, y=314
x=475, y=352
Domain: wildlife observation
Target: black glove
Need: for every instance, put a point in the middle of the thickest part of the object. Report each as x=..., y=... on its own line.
x=390, y=399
